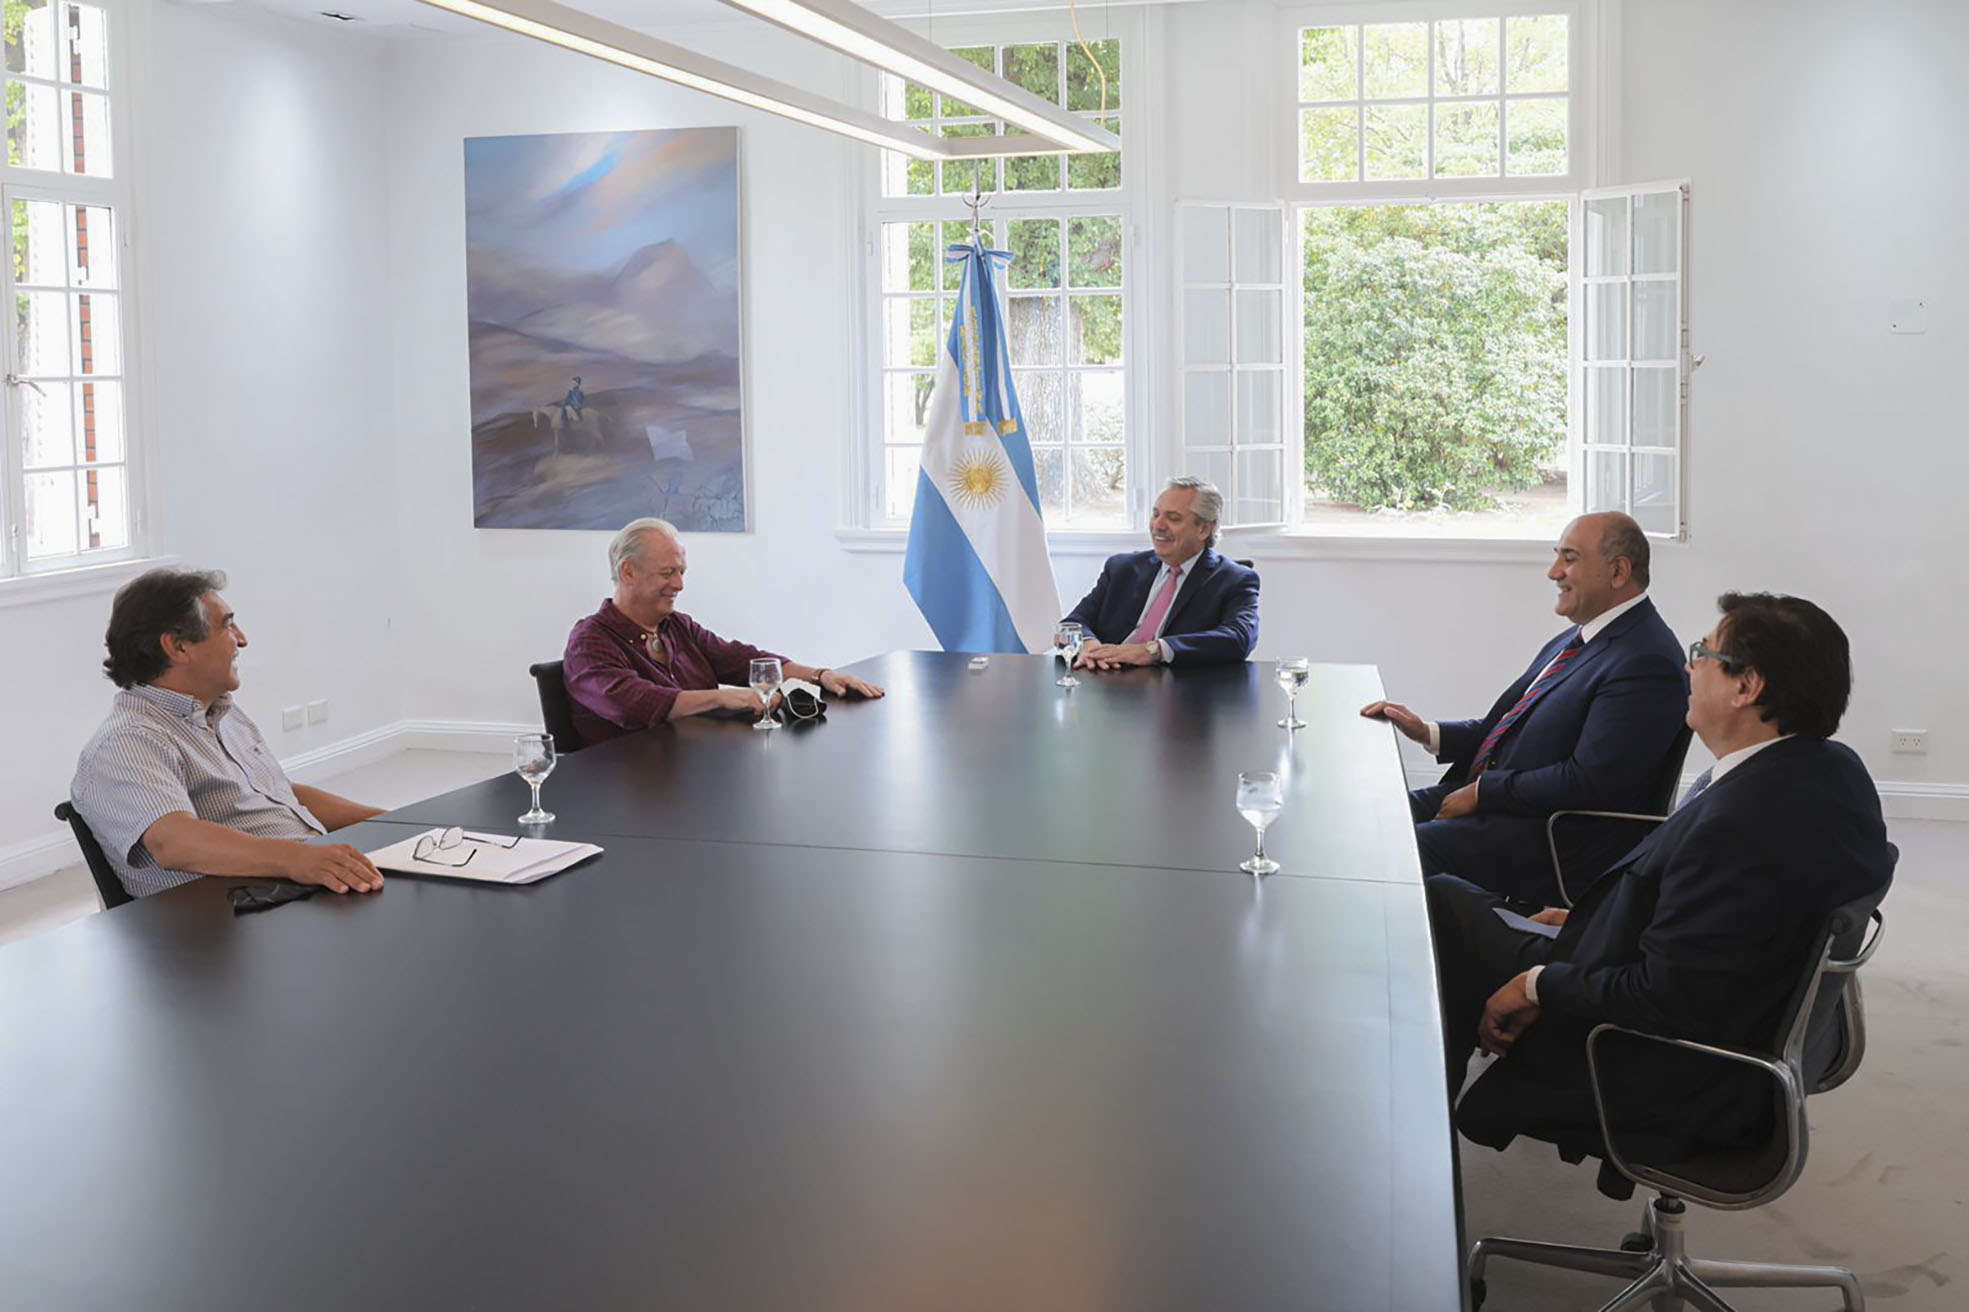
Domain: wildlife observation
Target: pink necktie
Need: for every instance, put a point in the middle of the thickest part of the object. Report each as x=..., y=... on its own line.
x=1152, y=622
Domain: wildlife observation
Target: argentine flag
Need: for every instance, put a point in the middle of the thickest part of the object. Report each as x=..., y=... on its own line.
x=977, y=563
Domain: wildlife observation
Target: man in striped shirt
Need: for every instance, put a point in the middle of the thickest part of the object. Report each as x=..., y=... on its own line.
x=178, y=782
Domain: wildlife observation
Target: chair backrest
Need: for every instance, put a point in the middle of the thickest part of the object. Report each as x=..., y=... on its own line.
x=108, y=887
x=1662, y=800
x=556, y=711
x=1246, y=563
x=1827, y=1035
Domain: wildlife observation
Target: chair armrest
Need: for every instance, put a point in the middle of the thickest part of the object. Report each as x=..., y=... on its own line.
x=1791, y=1088
x=1835, y=966
x=1552, y=837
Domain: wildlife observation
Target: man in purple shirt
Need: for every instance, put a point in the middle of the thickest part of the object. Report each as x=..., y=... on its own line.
x=638, y=661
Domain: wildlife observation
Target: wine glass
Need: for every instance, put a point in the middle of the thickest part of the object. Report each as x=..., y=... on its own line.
x=533, y=757
x=1066, y=640
x=1292, y=676
x=766, y=676
x=1259, y=802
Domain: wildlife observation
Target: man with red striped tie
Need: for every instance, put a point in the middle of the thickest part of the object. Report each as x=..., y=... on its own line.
x=1589, y=725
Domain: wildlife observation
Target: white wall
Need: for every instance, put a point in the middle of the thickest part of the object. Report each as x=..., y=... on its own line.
x=267, y=395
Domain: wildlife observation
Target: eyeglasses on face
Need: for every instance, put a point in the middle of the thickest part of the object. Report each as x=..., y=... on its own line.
x=1702, y=651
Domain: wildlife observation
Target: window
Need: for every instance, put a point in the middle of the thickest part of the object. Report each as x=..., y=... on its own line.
x=70, y=476
x=1065, y=220
x=1450, y=360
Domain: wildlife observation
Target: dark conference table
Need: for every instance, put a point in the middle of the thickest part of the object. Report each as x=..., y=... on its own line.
x=743, y=1060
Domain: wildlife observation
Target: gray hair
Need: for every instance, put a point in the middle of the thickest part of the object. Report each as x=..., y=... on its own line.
x=628, y=544
x=149, y=607
x=1209, y=506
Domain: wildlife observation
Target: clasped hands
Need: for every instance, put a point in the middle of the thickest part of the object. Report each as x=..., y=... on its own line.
x=1114, y=655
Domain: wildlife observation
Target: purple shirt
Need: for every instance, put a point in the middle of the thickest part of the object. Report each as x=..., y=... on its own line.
x=618, y=685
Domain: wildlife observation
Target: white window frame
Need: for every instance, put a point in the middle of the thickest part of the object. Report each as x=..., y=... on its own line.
x=60, y=575
x=862, y=509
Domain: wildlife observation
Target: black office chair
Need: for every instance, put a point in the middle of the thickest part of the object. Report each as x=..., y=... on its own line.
x=1824, y=1037
x=1661, y=799
x=556, y=712
x=108, y=887
x=1246, y=563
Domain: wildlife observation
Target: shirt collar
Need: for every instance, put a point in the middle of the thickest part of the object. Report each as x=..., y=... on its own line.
x=1731, y=760
x=1594, y=627
x=180, y=705
x=1183, y=565
x=616, y=622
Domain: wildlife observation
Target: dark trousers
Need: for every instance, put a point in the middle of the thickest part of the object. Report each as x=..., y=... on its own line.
x=1476, y=954
x=1506, y=853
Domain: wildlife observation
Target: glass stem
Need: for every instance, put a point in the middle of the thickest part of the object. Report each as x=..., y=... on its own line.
x=535, y=785
x=1261, y=847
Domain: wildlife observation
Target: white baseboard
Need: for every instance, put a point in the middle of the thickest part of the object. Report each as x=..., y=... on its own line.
x=34, y=857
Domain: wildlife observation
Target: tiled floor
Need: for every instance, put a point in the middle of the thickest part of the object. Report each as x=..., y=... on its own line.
x=1885, y=1188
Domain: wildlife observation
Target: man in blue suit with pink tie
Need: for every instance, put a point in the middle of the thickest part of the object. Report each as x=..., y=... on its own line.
x=1589, y=725
x=1178, y=604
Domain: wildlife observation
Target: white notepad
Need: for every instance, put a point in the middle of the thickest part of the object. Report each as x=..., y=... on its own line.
x=487, y=858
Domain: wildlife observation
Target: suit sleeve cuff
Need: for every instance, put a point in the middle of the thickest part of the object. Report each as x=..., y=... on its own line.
x=1435, y=743
x=1531, y=983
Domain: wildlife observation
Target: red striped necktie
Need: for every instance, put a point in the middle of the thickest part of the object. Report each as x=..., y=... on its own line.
x=1532, y=694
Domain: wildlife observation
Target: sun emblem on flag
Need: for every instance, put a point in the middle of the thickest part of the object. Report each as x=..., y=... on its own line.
x=979, y=478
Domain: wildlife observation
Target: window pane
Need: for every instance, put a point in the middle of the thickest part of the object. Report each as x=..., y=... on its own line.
x=1097, y=407
x=918, y=103
x=1032, y=173
x=1206, y=244
x=34, y=138
x=1094, y=251
x=98, y=334
x=950, y=275
x=907, y=253
x=1258, y=240
x=1034, y=329
x=1606, y=321
x=1466, y=141
x=1206, y=327
x=1657, y=233
x=1214, y=466
x=1040, y=403
x=1535, y=144
x=38, y=241
x=897, y=316
x=1096, y=337
x=1395, y=57
x=46, y=414
x=1535, y=53
x=960, y=177
x=1656, y=408
x=31, y=47
x=1258, y=402
x=1258, y=328
x=86, y=135
x=51, y=515
x=106, y=508
x=921, y=178
x=1654, y=493
x=1606, y=236
x=1606, y=406
x=1328, y=63
x=1084, y=87
x=84, y=44
x=1329, y=142
x=1036, y=68
x=91, y=247
x=1397, y=138
x=1466, y=57
x=985, y=58
x=1606, y=480
x=907, y=405
x=1096, y=172
x=899, y=481
x=1657, y=323
x=41, y=325
x=1260, y=489
x=1049, y=463
x=1035, y=247
x=99, y=421
x=1207, y=408
x=1098, y=485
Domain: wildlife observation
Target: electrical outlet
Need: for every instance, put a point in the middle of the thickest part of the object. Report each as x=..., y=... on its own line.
x=292, y=717
x=1911, y=742
x=318, y=712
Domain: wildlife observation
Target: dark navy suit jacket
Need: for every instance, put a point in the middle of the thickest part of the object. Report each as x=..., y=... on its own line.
x=1214, y=619
x=1701, y=932
x=1596, y=739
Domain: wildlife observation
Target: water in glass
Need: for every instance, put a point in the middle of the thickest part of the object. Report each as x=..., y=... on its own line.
x=533, y=758
x=1067, y=640
x=1259, y=801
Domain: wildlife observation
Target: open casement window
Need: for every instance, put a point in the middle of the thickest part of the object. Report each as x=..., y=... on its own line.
x=1231, y=329
x=1631, y=353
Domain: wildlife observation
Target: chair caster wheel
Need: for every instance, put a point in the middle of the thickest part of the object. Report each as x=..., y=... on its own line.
x=1637, y=1241
x=1478, y=1289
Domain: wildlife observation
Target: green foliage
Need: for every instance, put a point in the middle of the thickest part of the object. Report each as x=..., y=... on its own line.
x=1435, y=352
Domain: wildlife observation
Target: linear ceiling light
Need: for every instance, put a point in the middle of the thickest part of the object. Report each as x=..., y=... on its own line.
x=586, y=34
x=869, y=37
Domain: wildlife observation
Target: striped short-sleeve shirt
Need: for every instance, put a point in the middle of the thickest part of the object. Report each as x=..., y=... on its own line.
x=159, y=752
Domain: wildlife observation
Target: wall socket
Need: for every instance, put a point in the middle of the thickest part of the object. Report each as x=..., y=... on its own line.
x=1911, y=742
x=292, y=717
x=318, y=712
